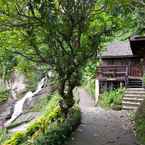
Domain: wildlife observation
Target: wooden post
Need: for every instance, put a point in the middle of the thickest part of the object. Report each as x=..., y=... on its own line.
x=143, y=65
x=97, y=91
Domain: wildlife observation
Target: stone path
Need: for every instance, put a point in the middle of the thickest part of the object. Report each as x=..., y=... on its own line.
x=100, y=127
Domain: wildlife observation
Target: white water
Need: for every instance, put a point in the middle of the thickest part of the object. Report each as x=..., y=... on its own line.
x=18, y=108
x=40, y=86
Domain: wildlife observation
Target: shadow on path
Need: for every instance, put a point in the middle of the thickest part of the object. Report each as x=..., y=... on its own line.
x=100, y=127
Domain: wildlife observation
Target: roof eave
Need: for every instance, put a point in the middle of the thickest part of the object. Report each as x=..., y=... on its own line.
x=121, y=56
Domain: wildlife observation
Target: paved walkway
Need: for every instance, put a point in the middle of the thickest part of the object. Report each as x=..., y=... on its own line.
x=100, y=127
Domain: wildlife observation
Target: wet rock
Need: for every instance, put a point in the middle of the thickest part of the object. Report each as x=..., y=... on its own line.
x=6, y=110
x=24, y=118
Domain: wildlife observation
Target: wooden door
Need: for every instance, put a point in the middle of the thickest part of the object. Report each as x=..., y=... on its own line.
x=136, y=71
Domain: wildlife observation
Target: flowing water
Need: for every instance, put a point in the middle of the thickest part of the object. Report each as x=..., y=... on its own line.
x=18, y=108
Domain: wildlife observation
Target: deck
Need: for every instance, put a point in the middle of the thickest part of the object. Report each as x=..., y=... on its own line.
x=119, y=72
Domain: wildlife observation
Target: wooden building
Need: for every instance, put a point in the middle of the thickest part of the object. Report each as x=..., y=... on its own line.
x=122, y=65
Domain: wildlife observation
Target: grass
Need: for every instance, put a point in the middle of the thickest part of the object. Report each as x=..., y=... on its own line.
x=112, y=99
x=3, y=135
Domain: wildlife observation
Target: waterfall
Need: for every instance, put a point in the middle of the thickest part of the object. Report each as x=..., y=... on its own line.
x=40, y=86
x=18, y=108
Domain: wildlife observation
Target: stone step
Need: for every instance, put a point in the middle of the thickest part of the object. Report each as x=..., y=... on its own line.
x=135, y=92
x=129, y=108
x=135, y=82
x=134, y=95
x=130, y=103
x=133, y=99
x=139, y=86
x=134, y=89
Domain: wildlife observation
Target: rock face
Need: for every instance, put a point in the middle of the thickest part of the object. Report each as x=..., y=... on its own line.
x=6, y=111
x=17, y=84
x=24, y=118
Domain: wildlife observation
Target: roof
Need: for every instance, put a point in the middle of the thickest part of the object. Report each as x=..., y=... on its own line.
x=118, y=49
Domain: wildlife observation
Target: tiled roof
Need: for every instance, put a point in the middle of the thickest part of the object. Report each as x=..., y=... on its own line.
x=116, y=49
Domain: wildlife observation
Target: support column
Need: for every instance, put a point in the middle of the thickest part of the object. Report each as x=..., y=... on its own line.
x=143, y=71
x=97, y=91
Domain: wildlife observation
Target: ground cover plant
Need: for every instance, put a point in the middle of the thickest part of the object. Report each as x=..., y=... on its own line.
x=112, y=99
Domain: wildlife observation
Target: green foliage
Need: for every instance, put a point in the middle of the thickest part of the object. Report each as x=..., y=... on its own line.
x=111, y=98
x=140, y=130
x=63, y=35
x=52, y=127
x=89, y=71
x=4, y=94
x=3, y=135
x=89, y=75
x=16, y=139
x=58, y=132
x=51, y=114
x=89, y=85
x=40, y=106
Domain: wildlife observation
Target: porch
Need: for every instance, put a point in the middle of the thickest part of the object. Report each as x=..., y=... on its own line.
x=112, y=76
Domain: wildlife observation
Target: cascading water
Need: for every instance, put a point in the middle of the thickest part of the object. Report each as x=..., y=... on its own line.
x=40, y=86
x=18, y=108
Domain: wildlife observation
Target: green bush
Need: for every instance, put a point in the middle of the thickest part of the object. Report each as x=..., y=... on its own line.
x=59, y=132
x=111, y=99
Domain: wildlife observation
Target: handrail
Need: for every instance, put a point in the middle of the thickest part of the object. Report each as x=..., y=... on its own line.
x=128, y=70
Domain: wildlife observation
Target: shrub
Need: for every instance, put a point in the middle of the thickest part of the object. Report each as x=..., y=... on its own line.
x=58, y=132
x=16, y=139
x=111, y=99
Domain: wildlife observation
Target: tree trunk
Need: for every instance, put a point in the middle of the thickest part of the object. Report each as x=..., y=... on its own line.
x=69, y=98
x=66, y=92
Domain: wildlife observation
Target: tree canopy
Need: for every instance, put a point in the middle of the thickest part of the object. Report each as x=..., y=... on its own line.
x=62, y=34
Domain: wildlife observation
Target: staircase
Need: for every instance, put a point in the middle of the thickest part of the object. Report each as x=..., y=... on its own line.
x=135, y=83
x=133, y=98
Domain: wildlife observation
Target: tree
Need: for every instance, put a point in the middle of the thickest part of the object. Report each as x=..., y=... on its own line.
x=62, y=34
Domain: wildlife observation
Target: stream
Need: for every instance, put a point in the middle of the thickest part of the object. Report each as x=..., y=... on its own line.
x=19, y=105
